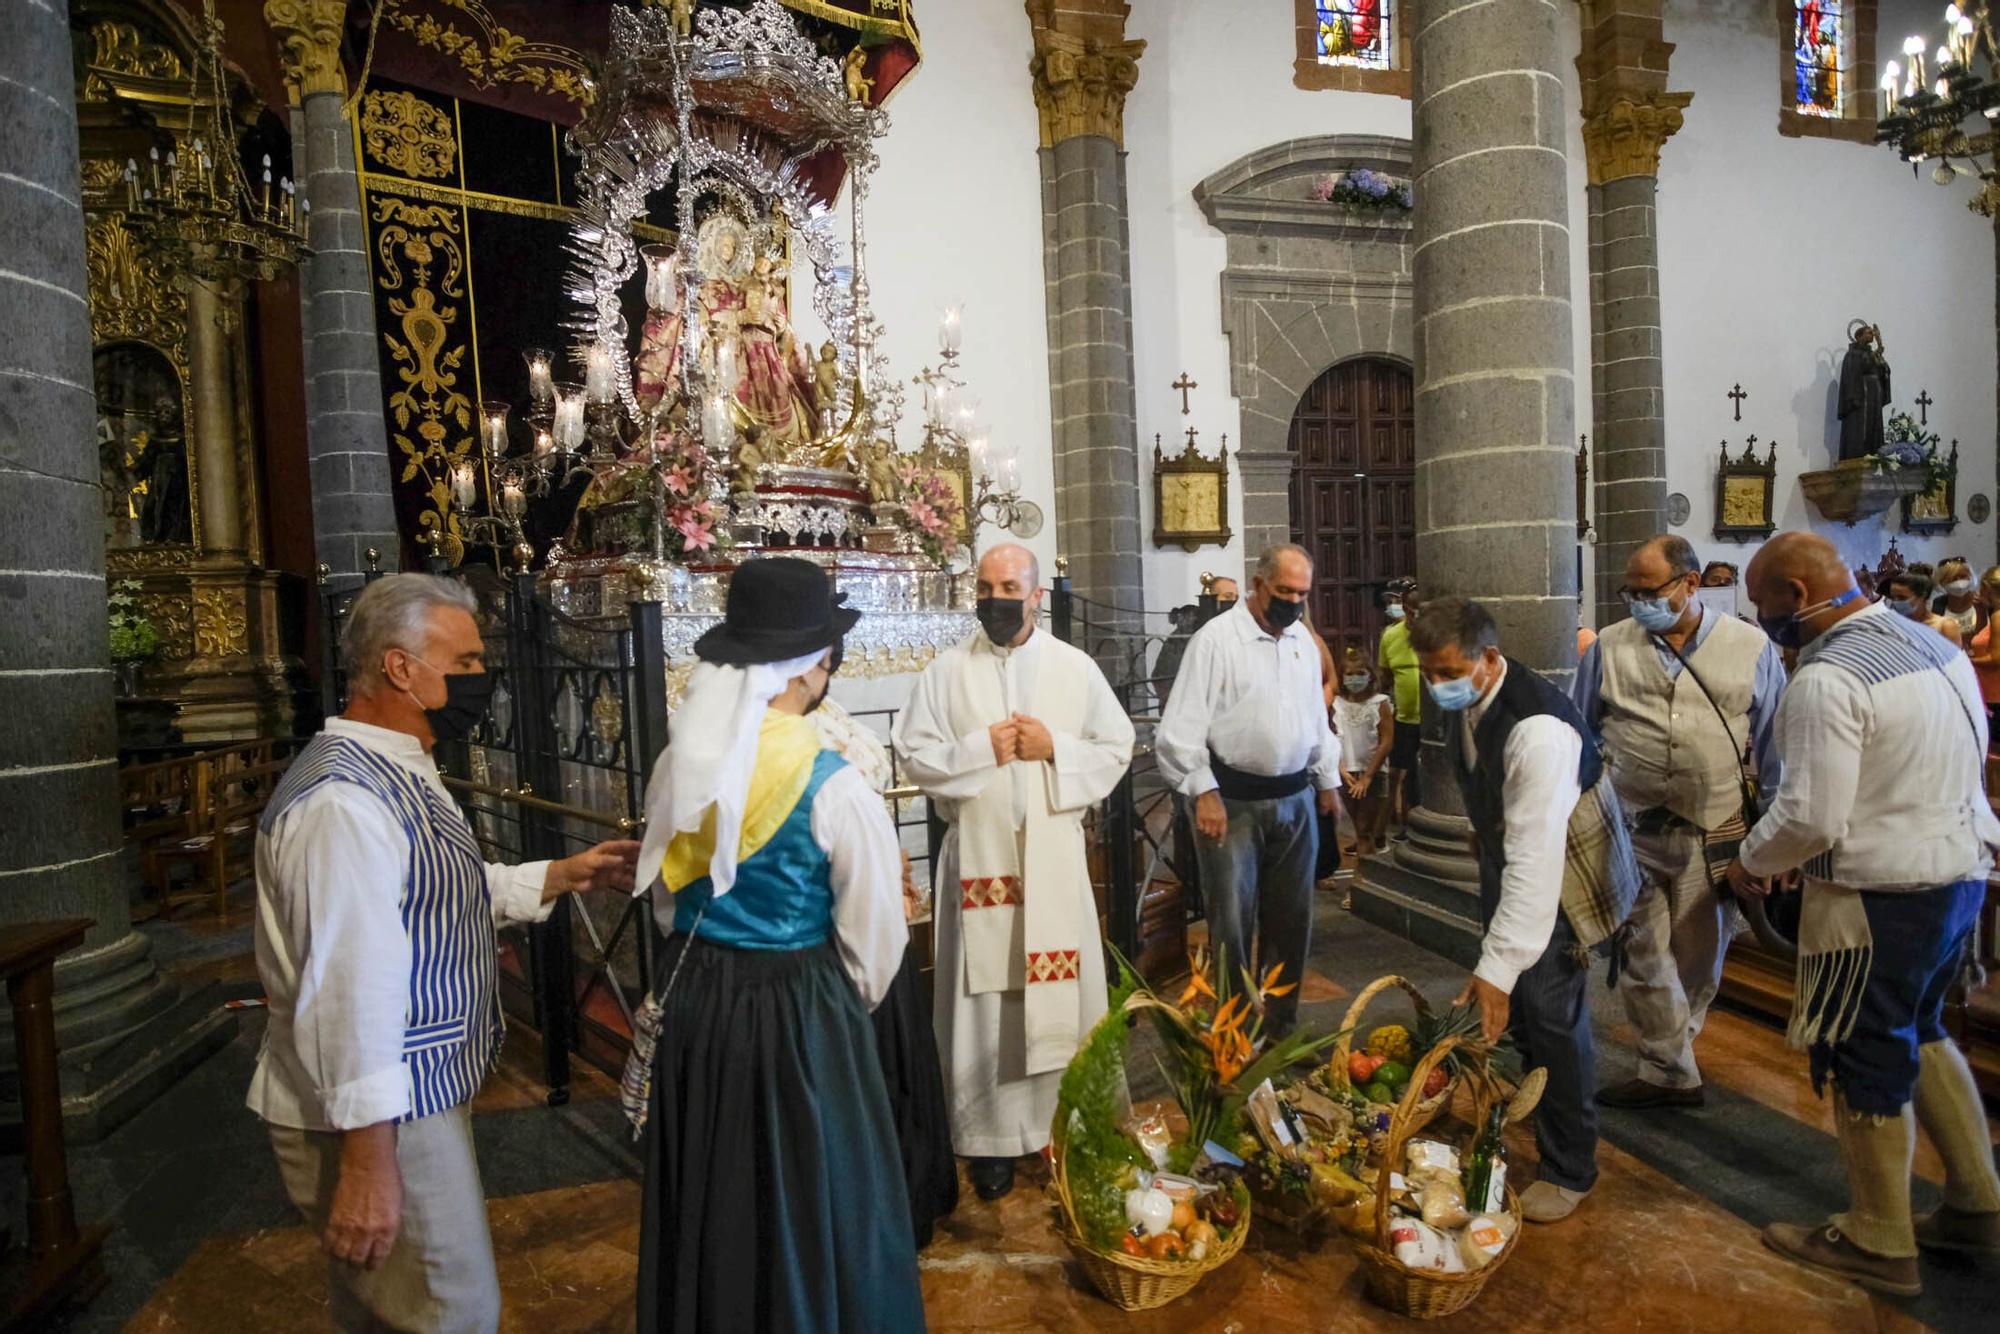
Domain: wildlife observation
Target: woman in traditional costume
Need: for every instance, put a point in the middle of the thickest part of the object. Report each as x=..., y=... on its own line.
x=773, y=1196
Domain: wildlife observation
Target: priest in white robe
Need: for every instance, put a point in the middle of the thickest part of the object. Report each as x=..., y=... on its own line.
x=1013, y=735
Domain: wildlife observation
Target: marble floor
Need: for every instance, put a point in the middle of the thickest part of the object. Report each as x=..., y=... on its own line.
x=1668, y=1242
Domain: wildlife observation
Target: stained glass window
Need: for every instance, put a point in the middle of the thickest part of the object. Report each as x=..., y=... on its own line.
x=1818, y=51
x=1356, y=32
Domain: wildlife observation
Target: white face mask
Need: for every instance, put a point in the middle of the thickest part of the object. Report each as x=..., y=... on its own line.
x=1958, y=587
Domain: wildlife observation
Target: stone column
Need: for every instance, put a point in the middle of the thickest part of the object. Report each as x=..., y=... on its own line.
x=349, y=446
x=1082, y=70
x=1496, y=479
x=59, y=837
x=1627, y=115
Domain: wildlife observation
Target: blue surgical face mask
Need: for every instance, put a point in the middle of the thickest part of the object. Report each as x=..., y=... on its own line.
x=1786, y=629
x=1656, y=615
x=1456, y=696
x=1916, y=611
x=1357, y=681
x=1394, y=611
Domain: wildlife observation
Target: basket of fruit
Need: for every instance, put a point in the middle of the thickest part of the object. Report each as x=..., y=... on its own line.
x=1302, y=1152
x=1455, y=1221
x=1386, y=1066
x=1143, y=1216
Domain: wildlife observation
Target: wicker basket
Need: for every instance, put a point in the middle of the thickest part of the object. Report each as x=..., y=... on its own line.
x=1424, y=1294
x=1139, y=1282
x=1427, y=1108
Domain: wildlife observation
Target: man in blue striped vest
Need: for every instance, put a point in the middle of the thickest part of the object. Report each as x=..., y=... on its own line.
x=1884, y=810
x=375, y=943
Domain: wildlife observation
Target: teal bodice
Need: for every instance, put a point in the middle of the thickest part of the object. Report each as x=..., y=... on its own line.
x=783, y=896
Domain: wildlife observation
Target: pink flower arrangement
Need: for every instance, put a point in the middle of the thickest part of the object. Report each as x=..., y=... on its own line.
x=931, y=509
x=680, y=481
x=696, y=535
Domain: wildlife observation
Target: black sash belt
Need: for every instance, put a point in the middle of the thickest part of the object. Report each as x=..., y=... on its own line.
x=1239, y=786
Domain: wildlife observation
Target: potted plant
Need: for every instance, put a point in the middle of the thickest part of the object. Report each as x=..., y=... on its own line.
x=134, y=640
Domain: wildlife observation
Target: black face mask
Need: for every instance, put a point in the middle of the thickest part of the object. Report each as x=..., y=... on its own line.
x=1002, y=618
x=1280, y=613
x=466, y=695
x=1224, y=604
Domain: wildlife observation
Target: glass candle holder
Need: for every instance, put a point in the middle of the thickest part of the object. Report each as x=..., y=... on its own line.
x=493, y=427
x=541, y=376
x=464, y=491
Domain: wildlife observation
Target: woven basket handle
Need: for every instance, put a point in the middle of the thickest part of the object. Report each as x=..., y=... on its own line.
x=1344, y=1047
x=1402, y=1124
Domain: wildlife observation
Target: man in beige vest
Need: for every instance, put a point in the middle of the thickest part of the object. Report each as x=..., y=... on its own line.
x=1677, y=694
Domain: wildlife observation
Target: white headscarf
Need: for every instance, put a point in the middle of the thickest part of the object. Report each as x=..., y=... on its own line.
x=709, y=759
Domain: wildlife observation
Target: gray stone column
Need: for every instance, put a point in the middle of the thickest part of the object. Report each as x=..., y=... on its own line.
x=1628, y=115
x=60, y=840
x=1082, y=71
x=345, y=435
x=1496, y=481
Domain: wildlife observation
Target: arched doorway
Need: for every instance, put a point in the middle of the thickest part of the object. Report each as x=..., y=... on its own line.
x=1353, y=444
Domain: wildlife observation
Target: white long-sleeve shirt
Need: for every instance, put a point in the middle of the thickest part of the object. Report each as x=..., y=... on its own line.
x=1252, y=699
x=332, y=952
x=1539, y=792
x=1883, y=735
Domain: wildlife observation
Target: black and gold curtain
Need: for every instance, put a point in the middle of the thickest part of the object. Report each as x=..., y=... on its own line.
x=467, y=208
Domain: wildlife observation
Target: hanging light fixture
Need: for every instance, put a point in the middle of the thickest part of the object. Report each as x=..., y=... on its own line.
x=1925, y=112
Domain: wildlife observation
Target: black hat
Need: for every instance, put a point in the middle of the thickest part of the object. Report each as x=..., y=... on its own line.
x=779, y=607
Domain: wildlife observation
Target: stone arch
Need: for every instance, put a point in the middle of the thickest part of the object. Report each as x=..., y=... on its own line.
x=1306, y=285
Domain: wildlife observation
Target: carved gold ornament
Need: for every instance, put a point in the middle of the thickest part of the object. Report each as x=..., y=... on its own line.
x=221, y=625
x=174, y=619
x=1080, y=85
x=1624, y=138
x=308, y=33
x=430, y=415
x=122, y=49
x=408, y=135
x=494, y=55
x=130, y=295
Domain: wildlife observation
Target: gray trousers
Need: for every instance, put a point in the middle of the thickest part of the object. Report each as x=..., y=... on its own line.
x=1259, y=879
x=1680, y=936
x=439, y=1277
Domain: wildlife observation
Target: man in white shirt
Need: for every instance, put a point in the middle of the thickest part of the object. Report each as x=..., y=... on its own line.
x=375, y=944
x=1245, y=738
x=1014, y=735
x=1884, y=810
x=1516, y=746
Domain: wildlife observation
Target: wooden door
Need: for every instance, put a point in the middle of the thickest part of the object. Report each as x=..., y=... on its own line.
x=1353, y=443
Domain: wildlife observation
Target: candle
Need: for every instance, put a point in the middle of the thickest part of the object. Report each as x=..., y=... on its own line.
x=1913, y=47
x=541, y=380
x=1964, y=30
x=569, y=426
x=949, y=332
x=728, y=364
x=662, y=277
x=545, y=444
x=1890, y=74
x=267, y=185
x=977, y=449
x=718, y=425
x=493, y=428
x=513, y=499
x=461, y=486
x=600, y=374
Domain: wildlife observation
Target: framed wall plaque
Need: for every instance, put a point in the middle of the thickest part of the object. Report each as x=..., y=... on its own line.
x=1190, y=497
x=1743, y=488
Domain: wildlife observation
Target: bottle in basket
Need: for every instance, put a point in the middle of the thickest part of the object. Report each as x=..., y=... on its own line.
x=1486, y=1167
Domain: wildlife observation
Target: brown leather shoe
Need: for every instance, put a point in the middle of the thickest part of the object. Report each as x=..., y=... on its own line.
x=1949, y=1229
x=1826, y=1249
x=1637, y=1095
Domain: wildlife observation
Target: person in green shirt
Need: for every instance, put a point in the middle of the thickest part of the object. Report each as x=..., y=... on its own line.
x=1398, y=662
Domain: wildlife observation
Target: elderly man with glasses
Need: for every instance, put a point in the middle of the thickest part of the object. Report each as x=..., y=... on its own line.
x=1682, y=698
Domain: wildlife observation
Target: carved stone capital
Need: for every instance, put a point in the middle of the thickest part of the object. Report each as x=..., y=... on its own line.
x=1081, y=83
x=308, y=33
x=1624, y=136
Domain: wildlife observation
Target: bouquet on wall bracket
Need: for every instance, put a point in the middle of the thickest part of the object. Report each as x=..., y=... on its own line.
x=1370, y=191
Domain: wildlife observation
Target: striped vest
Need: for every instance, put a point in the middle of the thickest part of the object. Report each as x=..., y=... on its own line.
x=452, y=1027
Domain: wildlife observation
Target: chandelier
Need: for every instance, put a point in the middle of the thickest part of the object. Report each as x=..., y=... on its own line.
x=1927, y=107
x=195, y=208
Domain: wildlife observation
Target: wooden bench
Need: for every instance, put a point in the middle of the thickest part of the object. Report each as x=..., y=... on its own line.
x=214, y=829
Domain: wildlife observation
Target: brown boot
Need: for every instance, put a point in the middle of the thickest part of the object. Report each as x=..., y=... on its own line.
x=1637, y=1095
x=1951, y=1229
x=1825, y=1248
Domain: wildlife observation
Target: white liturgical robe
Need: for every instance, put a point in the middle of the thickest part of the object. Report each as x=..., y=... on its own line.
x=1002, y=1101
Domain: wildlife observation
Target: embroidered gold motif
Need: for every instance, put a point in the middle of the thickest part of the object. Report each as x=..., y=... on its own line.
x=406, y=134
x=495, y=55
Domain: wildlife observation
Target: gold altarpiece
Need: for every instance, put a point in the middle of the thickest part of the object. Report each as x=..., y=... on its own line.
x=176, y=434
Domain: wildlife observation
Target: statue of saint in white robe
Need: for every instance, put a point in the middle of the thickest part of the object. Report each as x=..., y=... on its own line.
x=1001, y=1070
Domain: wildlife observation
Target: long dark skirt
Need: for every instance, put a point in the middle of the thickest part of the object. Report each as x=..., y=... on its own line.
x=907, y=1047
x=773, y=1197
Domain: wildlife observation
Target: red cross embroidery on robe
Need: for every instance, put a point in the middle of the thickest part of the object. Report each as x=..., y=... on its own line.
x=997, y=891
x=1052, y=965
